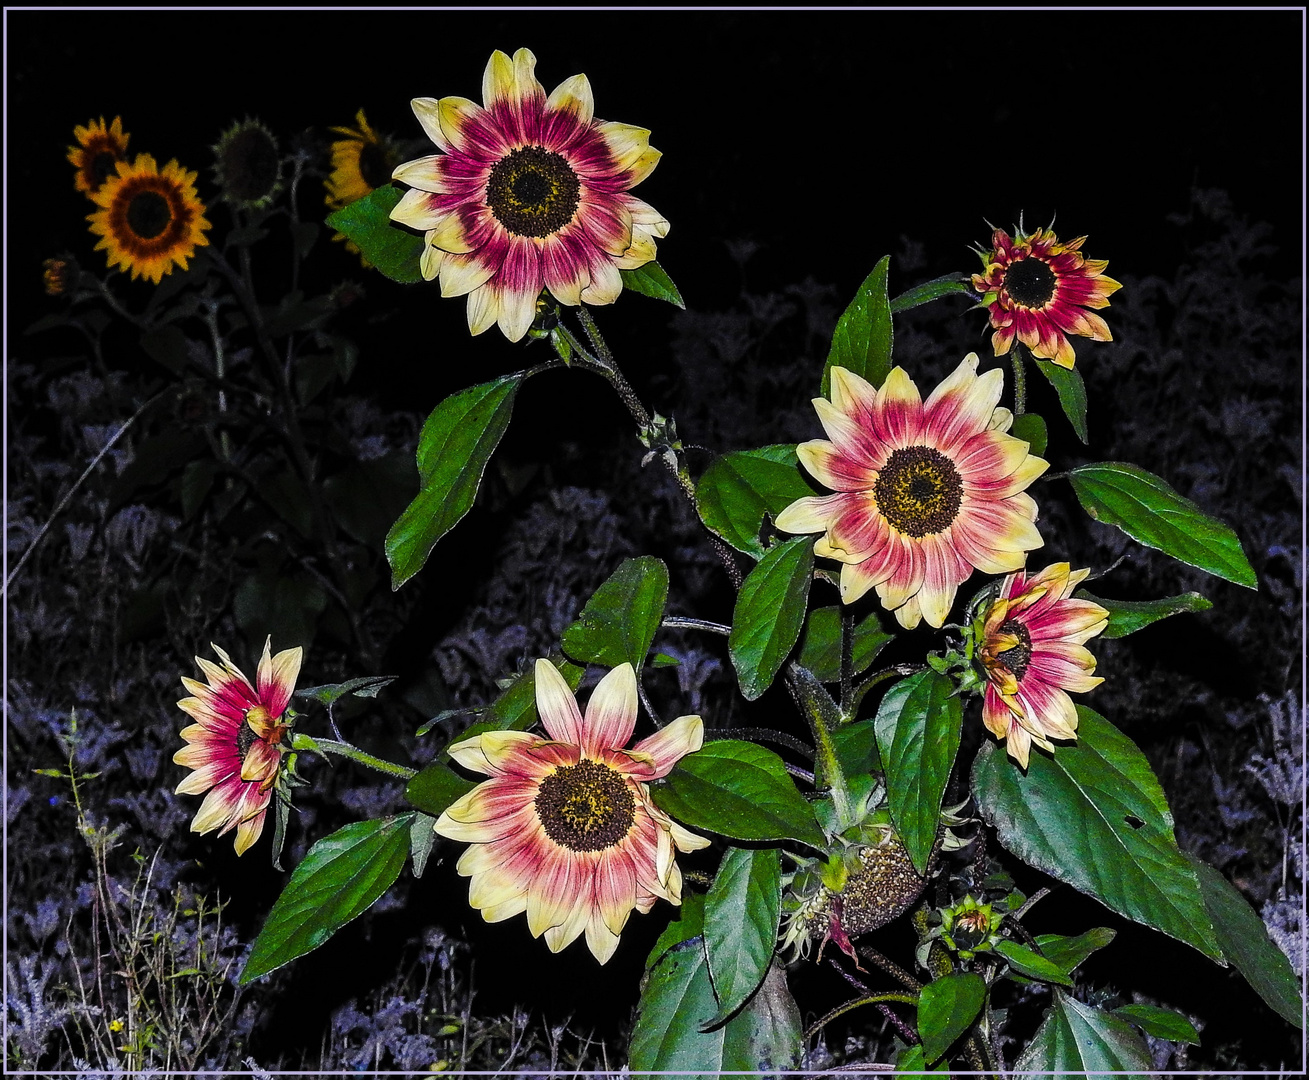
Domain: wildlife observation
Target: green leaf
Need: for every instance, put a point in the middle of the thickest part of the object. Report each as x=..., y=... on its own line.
x=1129, y=616
x=1245, y=940
x=391, y=248
x=1032, y=964
x=515, y=708
x=1093, y=815
x=688, y=924
x=947, y=1008
x=168, y=346
x=739, y=790
x=739, y=489
x=1076, y=1038
x=435, y=787
x=1161, y=1023
x=1152, y=513
x=1067, y=952
x=820, y=648
x=918, y=725
x=661, y=660
x=1072, y=394
x=856, y=748
x=863, y=336
x=1031, y=429
x=652, y=280
x=620, y=620
x=742, y=913
x=367, y=686
x=456, y=442
x=949, y=285
x=910, y=1060
x=421, y=839
x=769, y=613
x=342, y=877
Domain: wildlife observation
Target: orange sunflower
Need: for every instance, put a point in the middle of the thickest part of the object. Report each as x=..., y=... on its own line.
x=98, y=150
x=565, y=829
x=149, y=220
x=1038, y=289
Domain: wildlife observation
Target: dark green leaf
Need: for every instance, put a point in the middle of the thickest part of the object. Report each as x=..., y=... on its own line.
x=456, y=442
x=515, y=708
x=820, y=649
x=688, y=923
x=769, y=613
x=366, y=686
x=910, y=1060
x=1067, y=952
x=918, y=725
x=421, y=838
x=620, y=620
x=303, y=235
x=1076, y=1038
x=652, y=280
x=947, y=1008
x=856, y=748
x=1031, y=429
x=1245, y=940
x=949, y=285
x=1152, y=513
x=251, y=234
x=392, y=249
x=167, y=345
x=1129, y=616
x=1161, y=1023
x=435, y=787
x=342, y=877
x=740, y=790
x=740, y=488
x=1093, y=815
x=660, y=660
x=284, y=606
x=1035, y=966
x=742, y=913
x=1072, y=394
x=368, y=497
x=862, y=341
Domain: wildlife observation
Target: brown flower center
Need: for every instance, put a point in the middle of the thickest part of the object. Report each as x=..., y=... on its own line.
x=148, y=214
x=1030, y=282
x=104, y=164
x=375, y=164
x=532, y=191
x=250, y=165
x=1017, y=658
x=919, y=491
x=585, y=807
x=245, y=738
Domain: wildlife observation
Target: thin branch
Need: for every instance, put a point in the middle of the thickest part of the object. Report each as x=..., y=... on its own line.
x=766, y=735
x=677, y=622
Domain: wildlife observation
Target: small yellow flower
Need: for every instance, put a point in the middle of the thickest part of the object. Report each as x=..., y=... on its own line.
x=98, y=150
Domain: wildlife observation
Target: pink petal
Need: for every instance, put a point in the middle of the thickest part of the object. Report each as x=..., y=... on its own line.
x=611, y=712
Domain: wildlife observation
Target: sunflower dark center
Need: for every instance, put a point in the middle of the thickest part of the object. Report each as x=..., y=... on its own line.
x=919, y=491
x=1017, y=658
x=1030, y=282
x=103, y=166
x=148, y=214
x=375, y=164
x=532, y=191
x=250, y=165
x=585, y=807
x=245, y=738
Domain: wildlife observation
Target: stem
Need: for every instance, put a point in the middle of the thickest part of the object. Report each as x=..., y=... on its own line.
x=1020, y=381
x=676, y=622
x=847, y=658
x=645, y=700
x=768, y=735
x=344, y=749
x=871, y=999
x=889, y=966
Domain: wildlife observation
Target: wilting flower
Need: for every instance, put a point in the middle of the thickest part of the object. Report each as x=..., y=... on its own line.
x=925, y=491
x=565, y=829
x=248, y=165
x=98, y=150
x=1031, y=651
x=236, y=747
x=530, y=193
x=1038, y=289
x=362, y=162
x=149, y=220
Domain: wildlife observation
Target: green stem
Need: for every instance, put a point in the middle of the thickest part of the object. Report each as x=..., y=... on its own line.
x=1020, y=381
x=344, y=749
x=847, y=659
x=871, y=999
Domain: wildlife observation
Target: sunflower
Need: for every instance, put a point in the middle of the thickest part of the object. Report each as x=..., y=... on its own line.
x=530, y=192
x=1038, y=289
x=149, y=220
x=1031, y=652
x=236, y=747
x=98, y=150
x=925, y=491
x=361, y=163
x=248, y=165
x=565, y=829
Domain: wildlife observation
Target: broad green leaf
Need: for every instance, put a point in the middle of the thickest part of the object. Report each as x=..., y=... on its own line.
x=620, y=620
x=856, y=747
x=1245, y=940
x=652, y=280
x=742, y=914
x=918, y=726
x=1076, y=1038
x=687, y=923
x=739, y=790
x=1031, y=429
x=456, y=442
x=1093, y=815
x=435, y=787
x=421, y=839
x=1067, y=952
x=947, y=1008
x=949, y=285
x=342, y=877
x=738, y=489
x=1152, y=513
x=1032, y=964
x=1161, y=1023
x=820, y=648
x=390, y=247
x=769, y=613
x=863, y=336
x=1129, y=616
x=1071, y=389
x=910, y=1060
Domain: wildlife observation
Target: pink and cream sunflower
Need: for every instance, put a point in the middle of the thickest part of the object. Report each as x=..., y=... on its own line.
x=1031, y=652
x=235, y=746
x=1038, y=289
x=530, y=192
x=565, y=830
x=924, y=491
